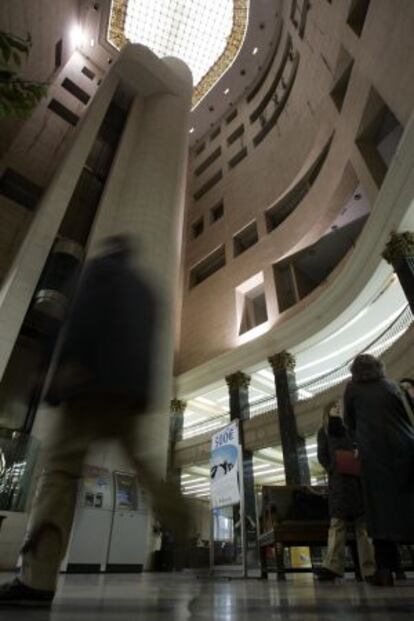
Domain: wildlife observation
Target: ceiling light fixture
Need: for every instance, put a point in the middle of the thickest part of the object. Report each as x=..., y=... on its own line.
x=191, y=131
x=255, y=50
x=77, y=36
x=227, y=91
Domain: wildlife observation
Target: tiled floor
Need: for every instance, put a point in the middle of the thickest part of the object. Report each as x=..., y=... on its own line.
x=176, y=597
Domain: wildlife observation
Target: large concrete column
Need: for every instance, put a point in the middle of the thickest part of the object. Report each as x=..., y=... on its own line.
x=293, y=445
x=399, y=252
x=177, y=409
x=20, y=284
x=238, y=384
x=144, y=197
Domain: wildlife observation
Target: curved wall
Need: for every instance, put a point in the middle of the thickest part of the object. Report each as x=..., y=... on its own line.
x=326, y=83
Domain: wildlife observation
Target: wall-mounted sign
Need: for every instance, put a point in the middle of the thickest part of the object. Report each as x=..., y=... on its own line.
x=224, y=467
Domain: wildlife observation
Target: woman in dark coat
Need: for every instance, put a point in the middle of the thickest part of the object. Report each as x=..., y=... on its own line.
x=345, y=499
x=381, y=421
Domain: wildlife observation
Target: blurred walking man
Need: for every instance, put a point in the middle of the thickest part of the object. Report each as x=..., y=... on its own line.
x=102, y=379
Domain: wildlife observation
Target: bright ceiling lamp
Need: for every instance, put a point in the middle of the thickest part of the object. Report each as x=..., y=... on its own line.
x=207, y=35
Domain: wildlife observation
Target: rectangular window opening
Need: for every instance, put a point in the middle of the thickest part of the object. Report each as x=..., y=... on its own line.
x=208, y=185
x=236, y=134
x=200, y=148
x=215, y=133
x=378, y=137
x=254, y=309
x=207, y=267
x=208, y=161
x=339, y=91
x=89, y=74
x=387, y=136
x=357, y=15
x=216, y=212
x=64, y=112
x=278, y=213
x=76, y=91
x=305, y=270
x=245, y=239
x=238, y=157
x=58, y=53
x=231, y=116
x=285, y=283
x=197, y=228
x=17, y=188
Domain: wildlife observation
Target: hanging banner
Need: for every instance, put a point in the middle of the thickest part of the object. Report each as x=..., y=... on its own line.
x=224, y=467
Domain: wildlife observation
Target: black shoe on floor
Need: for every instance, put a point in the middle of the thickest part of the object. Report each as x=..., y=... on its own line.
x=326, y=575
x=18, y=594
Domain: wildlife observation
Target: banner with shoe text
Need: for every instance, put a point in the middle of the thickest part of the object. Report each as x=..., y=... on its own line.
x=224, y=467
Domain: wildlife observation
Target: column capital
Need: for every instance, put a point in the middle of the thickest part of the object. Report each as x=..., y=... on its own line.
x=238, y=380
x=283, y=361
x=177, y=406
x=400, y=245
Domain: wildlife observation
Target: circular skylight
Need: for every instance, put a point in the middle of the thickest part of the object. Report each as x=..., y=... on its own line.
x=195, y=31
x=205, y=34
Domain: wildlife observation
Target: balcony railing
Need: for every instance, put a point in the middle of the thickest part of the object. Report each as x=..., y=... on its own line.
x=377, y=347
x=307, y=390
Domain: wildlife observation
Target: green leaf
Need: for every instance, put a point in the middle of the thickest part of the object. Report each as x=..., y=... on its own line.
x=18, y=45
x=3, y=49
x=17, y=59
x=6, y=51
x=18, y=97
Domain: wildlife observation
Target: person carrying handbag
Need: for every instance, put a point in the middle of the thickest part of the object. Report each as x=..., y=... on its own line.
x=336, y=453
x=381, y=421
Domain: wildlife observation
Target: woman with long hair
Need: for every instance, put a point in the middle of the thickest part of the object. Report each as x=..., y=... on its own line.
x=381, y=421
x=345, y=499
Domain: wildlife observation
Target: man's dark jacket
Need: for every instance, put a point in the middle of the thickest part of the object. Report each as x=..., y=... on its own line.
x=108, y=341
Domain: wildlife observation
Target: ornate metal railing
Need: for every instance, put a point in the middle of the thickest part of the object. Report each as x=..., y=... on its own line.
x=211, y=424
x=377, y=347
x=307, y=390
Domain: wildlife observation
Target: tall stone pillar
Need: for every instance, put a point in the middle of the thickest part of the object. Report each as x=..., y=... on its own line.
x=293, y=445
x=238, y=384
x=177, y=409
x=144, y=197
x=399, y=252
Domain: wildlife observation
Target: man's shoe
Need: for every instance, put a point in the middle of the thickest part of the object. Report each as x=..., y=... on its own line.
x=326, y=575
x=18, y=594
x=381, y=578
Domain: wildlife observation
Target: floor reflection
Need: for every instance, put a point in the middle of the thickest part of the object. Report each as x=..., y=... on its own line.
x=182, y=597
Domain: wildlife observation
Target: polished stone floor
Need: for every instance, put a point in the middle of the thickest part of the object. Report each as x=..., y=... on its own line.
x=178, y=597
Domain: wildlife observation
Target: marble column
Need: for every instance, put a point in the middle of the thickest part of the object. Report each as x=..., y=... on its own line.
x=399, y=252
x=144, y=197
x=293, y=445
x=177, y=409
x=238, y=384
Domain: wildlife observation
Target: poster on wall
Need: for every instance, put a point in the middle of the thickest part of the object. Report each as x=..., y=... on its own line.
x=224, y=467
